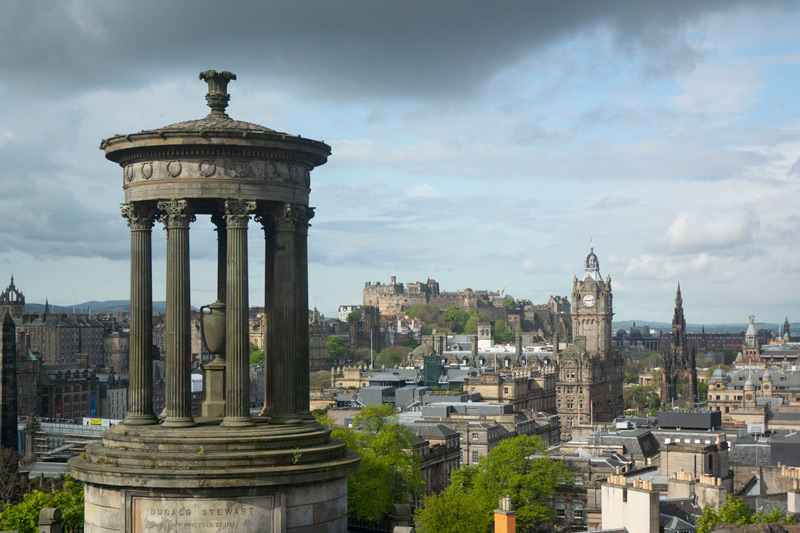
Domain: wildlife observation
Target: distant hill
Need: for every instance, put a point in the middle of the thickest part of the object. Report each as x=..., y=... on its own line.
x=696, y=328
x=107, y=306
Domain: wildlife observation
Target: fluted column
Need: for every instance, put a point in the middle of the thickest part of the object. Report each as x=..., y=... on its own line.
x=301, y=357
x=176, y=216
x=237, y=352
x=266, y=220
x=284, y=335
x=140, y=217
x=222, y=251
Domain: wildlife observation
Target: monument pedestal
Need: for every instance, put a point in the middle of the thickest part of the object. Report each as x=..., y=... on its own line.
x=203, y=478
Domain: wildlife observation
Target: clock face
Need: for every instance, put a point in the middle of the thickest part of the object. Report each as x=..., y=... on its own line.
x=588, y=300
x=749, y=397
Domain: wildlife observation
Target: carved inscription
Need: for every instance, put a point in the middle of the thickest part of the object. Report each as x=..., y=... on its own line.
x=204, y=515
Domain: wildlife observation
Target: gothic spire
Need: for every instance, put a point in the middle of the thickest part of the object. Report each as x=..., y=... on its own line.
x=678, y=299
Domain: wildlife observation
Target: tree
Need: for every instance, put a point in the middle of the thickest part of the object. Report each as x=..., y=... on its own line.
x=456, y=318
x=471, y=327
x=702, y=391
x=10, y=481
x=391, y=356
x=518, y=467
x=636, y=397
x=389, y=472
x=710, y=370
x=320, y=379
x=501, y=332
x=451, y=511
x=631, y=378
x=257, y=357
x=24, y=516
x=735, y=511
x=335, y=348
x=509, y=303
x=353, y=317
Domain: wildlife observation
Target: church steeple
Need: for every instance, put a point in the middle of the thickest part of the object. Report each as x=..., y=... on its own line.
x=46, y=306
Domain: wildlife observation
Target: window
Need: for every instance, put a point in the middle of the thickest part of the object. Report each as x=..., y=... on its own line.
x=460, y=436
x=570, y=404
x=560, y=510
x=578, y=479
x=474, y=436
x=577, y=511
x=559, y=404
x=505, y=390
x=474, y=457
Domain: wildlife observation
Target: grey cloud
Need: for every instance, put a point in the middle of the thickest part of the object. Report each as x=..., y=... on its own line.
x=415, y=48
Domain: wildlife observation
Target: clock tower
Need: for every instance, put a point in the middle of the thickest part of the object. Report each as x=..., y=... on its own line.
x=592, y=308
x=590, y=371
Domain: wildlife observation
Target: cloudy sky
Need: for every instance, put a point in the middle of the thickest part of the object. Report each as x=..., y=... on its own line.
x=482, y=144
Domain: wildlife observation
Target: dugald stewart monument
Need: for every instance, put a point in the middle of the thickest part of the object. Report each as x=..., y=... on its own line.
x=223, y=470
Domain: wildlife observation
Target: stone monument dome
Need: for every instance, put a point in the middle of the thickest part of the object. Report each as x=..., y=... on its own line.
x=227, y=466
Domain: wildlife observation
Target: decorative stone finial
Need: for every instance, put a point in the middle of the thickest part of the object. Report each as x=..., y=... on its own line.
x=217, y=96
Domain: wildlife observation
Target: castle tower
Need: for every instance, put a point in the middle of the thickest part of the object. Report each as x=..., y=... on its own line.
x=679, y=363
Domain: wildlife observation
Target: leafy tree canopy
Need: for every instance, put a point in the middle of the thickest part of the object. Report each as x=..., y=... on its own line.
x=501, y=333
x=631, y=378
x=321, y=379
x=257, y=357
x=353, y=317
x=389, y=472
x=335, y=348
x=735, y=511
x=456, y=318
x=24, y=516
x=391, y=356
x=710, y=370
x=509, y=303
x=508, y=469
x=471, y=327
x=451, y=511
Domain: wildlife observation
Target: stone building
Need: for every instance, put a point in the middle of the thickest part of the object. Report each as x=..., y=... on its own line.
x=590, y=371
x=12, y=301
x=58, y=338
x=317, y=337
x=115, y=351
x=679, y=364
x=440, y=450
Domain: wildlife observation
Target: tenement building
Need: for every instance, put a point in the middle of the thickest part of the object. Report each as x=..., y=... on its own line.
x=590, y=371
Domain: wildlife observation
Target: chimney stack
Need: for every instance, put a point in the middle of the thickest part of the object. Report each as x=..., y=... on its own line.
x=505, y=519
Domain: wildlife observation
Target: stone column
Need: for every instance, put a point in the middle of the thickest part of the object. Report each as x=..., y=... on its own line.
x=140, y=218
x=176, y=216
x=301, y=357
x=285, y=332
x=222, y=253
x=237, y=345
x=266, y=220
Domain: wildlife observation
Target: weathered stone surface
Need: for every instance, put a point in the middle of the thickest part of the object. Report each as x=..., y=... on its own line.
x=280, y=472
x=199, y=515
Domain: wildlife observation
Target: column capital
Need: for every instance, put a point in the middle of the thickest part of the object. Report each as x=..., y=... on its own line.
x=237, y=212
x=287, y=217
x=175, y=213
x=140, y=216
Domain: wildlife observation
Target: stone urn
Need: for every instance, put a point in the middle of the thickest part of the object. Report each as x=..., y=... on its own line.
x=212, y=327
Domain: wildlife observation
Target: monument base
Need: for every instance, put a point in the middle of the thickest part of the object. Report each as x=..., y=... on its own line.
x=202, y=479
